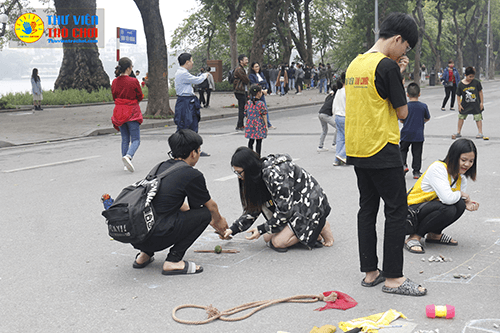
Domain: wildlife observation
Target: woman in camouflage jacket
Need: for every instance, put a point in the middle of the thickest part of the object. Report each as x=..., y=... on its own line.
x=290, y=199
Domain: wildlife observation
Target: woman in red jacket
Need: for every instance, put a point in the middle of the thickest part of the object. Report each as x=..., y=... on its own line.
x=127, y=115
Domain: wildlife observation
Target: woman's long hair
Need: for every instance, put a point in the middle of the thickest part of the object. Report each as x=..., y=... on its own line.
x=123, y=64
x=251, y=71
x=253, y=190
x=34, y=75
x=452, y=159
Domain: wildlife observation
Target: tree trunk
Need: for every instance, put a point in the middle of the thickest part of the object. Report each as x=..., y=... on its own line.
x=266, y=12
x=287, y=40
x=158, y=99
x=81, y=67
x=301, y=42
x=234, y=15
x=493, y=58
x=307, y=21
x=418, y=16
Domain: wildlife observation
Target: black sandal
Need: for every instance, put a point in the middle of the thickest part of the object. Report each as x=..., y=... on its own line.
x=277, y=249
x=144, y=264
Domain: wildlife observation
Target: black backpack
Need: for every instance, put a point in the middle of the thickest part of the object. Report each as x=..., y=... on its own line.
x=131, y=218
x=230, y=76
x=203, y=85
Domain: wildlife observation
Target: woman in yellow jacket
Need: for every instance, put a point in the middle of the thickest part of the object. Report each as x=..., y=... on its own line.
x=440, y=195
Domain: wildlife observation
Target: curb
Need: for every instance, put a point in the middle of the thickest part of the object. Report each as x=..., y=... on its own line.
x=158, y=124
x=169, y=122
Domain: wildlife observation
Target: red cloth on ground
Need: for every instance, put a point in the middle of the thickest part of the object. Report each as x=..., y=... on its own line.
x=343, y=301
x=127, y=94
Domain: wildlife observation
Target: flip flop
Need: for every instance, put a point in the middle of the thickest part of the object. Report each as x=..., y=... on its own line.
x=189, y=268
x=277, y=249
x=408, y=288
x=144, y=264
x=379, y=279
x=412, y=243
x=445, y=240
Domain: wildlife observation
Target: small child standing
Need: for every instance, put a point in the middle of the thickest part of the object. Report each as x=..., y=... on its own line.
x=255, y=112
x=470, y=101
x=412, y=133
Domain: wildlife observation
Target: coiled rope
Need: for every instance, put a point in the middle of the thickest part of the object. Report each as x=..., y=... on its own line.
x=214, y=314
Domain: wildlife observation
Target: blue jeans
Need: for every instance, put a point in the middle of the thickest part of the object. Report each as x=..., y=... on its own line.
x=282, y=87
x=291, y=83
x=322, y=85
x=131, y=134
x=340, y=147
x=263, y=99
x=273, y=86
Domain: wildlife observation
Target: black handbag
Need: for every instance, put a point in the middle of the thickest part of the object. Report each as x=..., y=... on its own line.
x=411, y=223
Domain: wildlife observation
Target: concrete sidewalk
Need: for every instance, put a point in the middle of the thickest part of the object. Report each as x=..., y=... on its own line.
x=26, y=126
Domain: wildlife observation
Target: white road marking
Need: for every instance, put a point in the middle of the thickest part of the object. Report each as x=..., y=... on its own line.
x=223, y=179
x=225, y=134
x=51, y=164
x=444, y=116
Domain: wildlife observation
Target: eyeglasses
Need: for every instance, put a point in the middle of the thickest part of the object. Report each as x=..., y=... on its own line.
x=408, y=49
x=237, y=173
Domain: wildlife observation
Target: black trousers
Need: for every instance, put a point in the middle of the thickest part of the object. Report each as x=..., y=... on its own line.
x=416, y=152
x=187, y=227
x=203, y=101
x=435, y=216
x=258, y=145
x=388, y=185
x=449, y=91
x=242, y=101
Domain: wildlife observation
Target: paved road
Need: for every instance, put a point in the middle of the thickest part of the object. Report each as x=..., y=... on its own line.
x=62, y=273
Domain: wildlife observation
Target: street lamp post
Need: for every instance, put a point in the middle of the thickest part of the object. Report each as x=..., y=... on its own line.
x=488, y=45
x=376, y=31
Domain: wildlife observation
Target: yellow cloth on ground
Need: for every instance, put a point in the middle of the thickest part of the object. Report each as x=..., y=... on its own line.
x=324, y=329
x=372, y=323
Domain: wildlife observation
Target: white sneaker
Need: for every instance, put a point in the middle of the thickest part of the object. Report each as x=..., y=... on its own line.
x=321, y=149
x=128, y=163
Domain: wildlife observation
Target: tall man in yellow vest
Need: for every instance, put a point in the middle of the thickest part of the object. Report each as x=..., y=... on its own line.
x=375, y=99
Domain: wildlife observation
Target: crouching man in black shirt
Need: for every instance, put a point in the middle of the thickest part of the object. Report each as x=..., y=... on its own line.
x=182, y=222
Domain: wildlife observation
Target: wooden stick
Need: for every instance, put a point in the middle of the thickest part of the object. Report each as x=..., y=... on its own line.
x=212, y=251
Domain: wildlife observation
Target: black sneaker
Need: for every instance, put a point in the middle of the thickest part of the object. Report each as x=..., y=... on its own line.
x=416, y=175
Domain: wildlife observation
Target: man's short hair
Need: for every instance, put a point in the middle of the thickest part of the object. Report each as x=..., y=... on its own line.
x=470, y=70
x=183, y=58
x=400, y=24
x=241, y=57
x=451, y=61
x=413, y=90
x=184, y=142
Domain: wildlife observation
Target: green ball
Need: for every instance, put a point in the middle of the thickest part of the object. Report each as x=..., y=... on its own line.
x=218, y=249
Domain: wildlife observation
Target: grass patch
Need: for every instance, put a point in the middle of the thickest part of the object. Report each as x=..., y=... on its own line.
x=60, y=97
x=223, y=86
x=64, y=97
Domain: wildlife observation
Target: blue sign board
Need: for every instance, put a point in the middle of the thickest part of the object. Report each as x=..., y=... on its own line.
x=128, y=36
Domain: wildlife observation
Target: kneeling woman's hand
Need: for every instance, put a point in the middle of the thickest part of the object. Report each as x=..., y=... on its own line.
x=255, y=234
x=471, y=205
